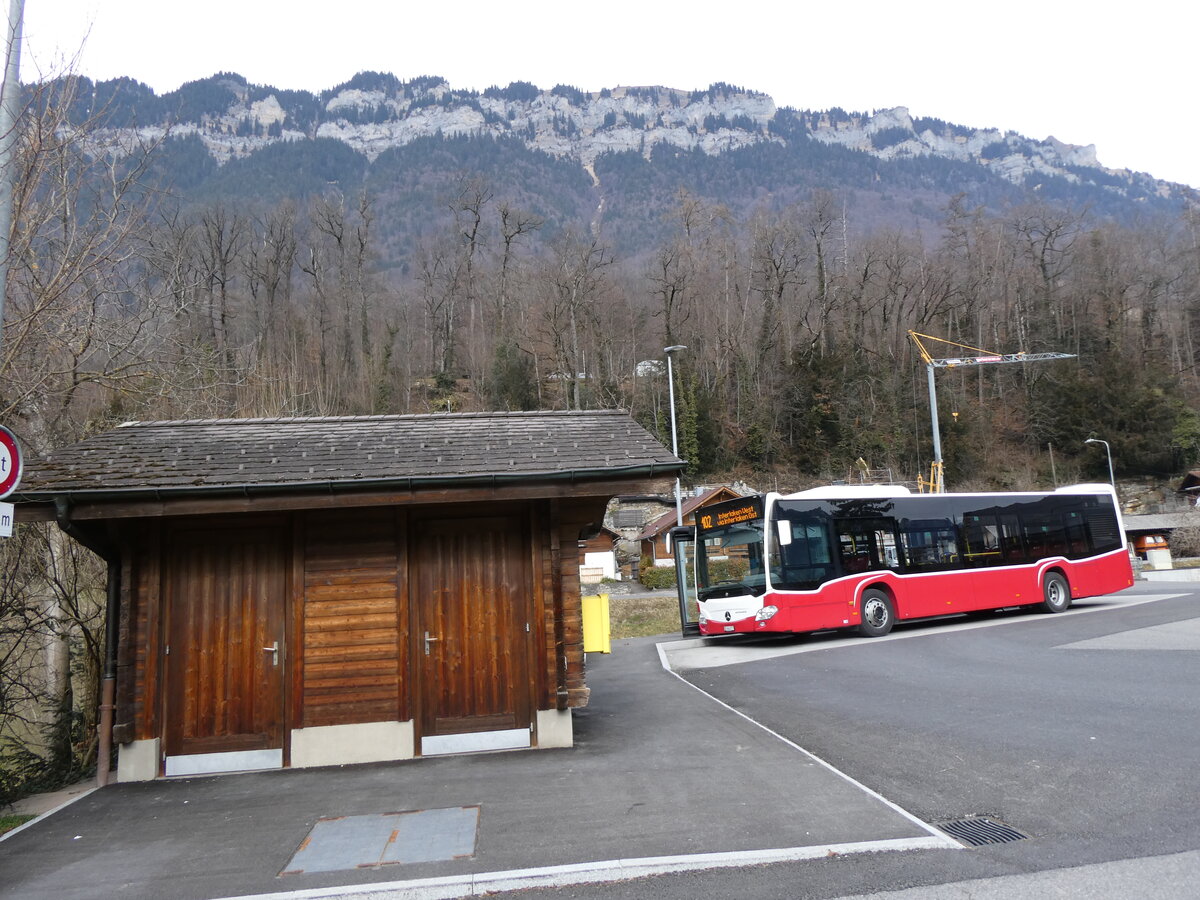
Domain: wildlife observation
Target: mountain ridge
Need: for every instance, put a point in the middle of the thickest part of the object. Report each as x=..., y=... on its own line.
x=374, y=112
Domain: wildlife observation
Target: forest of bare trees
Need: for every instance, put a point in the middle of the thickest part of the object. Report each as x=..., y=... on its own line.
x=798, y=358
x=124, y=303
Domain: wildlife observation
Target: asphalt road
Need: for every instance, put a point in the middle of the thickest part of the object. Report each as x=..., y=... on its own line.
x=1078, y=730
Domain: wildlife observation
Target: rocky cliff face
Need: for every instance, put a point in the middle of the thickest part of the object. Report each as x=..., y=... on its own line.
x=373, y=117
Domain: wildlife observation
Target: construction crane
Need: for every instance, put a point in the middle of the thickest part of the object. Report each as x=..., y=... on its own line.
x=936, y=483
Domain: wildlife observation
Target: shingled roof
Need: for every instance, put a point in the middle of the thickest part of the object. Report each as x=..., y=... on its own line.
x=225, y=455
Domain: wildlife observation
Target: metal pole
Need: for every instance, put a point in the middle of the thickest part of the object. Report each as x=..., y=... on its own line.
x=674, y=432
x=671, y=392
x=937, y=438
x=10, y=95
x=1107, y=452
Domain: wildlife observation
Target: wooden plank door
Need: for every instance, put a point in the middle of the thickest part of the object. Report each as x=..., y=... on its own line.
x=225, y=591
x=471, y=594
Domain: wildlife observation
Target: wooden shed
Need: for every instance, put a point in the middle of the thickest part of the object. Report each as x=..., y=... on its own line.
x=305, y=592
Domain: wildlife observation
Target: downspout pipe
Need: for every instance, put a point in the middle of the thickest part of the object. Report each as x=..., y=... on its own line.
x=107, y=551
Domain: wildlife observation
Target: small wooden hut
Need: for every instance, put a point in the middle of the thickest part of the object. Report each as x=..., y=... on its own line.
x=305, y=592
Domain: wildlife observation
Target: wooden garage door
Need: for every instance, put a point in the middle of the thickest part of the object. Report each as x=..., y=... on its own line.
x=471, y=594
x=225, y=592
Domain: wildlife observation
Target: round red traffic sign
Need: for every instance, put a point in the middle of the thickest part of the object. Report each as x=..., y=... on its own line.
x=10, y=462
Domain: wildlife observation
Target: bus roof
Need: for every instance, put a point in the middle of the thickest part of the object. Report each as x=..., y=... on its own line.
x=850, y=491
x=873, y=491
x=1099, y=487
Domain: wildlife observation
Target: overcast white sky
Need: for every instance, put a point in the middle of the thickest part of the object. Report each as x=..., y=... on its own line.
x=1120, y=76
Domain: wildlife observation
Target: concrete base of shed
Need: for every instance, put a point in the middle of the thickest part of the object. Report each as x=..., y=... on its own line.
x=138, y=760
x=336, y=745
x=339, y=745
x=555, y=728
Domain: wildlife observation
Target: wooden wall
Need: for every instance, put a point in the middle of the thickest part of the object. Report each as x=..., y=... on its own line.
x=137, y=701
x=560, y=524
x=351, y=620
x=348, y=653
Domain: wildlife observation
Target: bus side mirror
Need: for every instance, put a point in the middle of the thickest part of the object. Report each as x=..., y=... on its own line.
x=784, y=527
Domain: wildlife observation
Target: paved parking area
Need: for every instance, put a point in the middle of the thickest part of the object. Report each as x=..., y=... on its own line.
x=662, y=778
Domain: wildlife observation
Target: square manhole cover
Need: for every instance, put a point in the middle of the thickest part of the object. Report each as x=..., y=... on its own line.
x=355, y=842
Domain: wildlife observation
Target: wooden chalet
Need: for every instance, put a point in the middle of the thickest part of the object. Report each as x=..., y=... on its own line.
x=307, y=592
x=653, y=539
x=598, y=557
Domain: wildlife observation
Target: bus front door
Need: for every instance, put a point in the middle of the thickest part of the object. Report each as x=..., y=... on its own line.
x=683, y=545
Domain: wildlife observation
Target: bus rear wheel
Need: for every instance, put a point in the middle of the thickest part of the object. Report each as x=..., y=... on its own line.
x=878, y=616
x=1056, y=593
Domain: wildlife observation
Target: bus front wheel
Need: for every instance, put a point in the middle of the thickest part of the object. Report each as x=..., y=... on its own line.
x=878, y=616
x=1056, y=593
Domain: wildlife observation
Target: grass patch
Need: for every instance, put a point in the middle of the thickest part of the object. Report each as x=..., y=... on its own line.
x=643, y=616
x=8, y=823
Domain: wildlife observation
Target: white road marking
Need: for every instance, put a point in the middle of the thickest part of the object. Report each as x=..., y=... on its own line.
x=604, y=871
x=945, y=841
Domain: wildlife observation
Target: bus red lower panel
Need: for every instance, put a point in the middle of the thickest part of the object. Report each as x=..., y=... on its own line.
x=1006, y=586
x=1100, y=574
x=935, y=594
x=832, y=606
x=836, y=603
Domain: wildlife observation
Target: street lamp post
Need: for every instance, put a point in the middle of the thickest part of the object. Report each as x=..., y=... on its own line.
x=1108, y=453
x=674, y=432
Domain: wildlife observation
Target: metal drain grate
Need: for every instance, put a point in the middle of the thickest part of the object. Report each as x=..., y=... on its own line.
x=979, y=831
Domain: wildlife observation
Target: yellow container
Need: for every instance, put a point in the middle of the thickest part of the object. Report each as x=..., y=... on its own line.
x=596, y=625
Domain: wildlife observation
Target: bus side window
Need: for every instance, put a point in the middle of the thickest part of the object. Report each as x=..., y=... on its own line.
x=885, y=542
x=1011, y=547
x=867, y=544
x=1077, y=543
x=981, y=540
x=855, y=551
x=1045, y=535
x=929, y=544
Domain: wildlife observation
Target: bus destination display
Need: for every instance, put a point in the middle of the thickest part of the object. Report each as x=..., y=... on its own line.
x=719, y=516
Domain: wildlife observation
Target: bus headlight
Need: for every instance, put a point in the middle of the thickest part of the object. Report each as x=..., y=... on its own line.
x=765, y=613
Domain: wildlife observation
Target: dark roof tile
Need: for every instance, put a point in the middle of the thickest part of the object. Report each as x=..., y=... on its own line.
x=224, y=454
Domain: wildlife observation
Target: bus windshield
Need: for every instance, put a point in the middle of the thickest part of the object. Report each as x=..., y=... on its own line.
x=730, y=560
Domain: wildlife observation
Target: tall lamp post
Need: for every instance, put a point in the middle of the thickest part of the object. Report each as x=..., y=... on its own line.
x=1108, y=453
x=674, y=432
x=10, y=103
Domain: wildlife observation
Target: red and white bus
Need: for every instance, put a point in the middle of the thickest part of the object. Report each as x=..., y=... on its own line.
x=866, y=556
